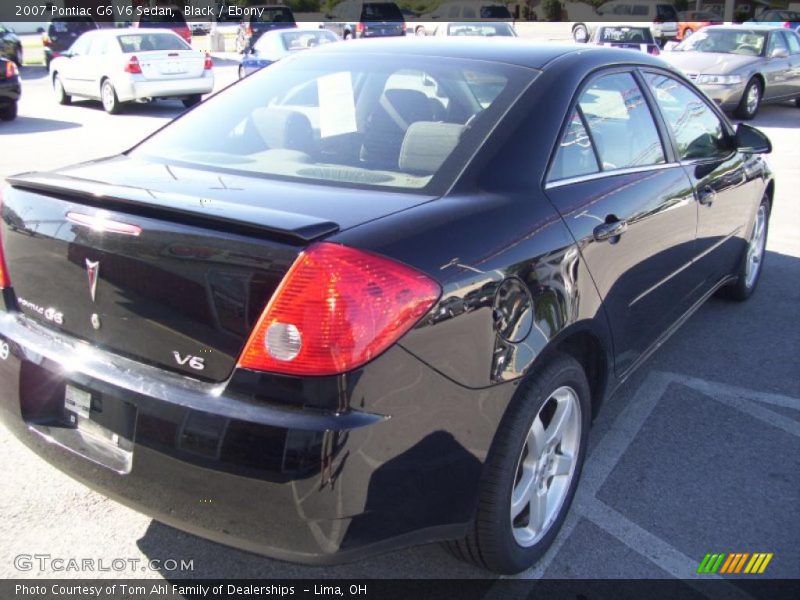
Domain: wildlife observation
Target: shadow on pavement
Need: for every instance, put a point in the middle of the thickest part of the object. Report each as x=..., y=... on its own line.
x=36, y=125
x=784, y=116
x=158, y=108
x=31, y=73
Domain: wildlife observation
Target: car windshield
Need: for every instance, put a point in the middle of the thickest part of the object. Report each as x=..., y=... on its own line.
x=302, y=39
x=273, y=15
x=374, y=121
x=725, y=41
x=480, y=29
x=634, y=35
x=143, y=42
x=381, y=11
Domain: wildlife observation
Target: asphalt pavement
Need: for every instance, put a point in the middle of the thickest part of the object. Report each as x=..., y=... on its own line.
x=699, y=452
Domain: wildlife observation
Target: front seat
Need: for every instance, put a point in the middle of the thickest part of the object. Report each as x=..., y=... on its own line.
x=386, y=126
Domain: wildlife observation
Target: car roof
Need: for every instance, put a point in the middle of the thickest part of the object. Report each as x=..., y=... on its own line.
x=747, y=27
x=514, y=51
x=136, y=31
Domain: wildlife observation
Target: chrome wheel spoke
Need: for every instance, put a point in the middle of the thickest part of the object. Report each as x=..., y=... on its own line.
x=537, y=438
x=521, y=495
x=562, y=465
x=538, y=511
x=557, y=425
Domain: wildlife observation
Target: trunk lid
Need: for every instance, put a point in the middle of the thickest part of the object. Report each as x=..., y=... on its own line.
x=171, y=64
x=166, y=265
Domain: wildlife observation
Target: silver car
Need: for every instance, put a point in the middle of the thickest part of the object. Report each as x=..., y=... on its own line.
x=118, y=66
x=740, y=67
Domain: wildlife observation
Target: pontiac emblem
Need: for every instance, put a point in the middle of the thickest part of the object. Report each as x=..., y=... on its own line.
x=93, y=269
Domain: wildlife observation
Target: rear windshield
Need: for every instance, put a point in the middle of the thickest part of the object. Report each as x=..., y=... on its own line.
x=302, y=39
x=633, y=35
x=480, y=29
x=173, y=16
x=368, y=120
x=381, y=11
x=144, y=42
x=273, y=15
x=71, y=25
x=495, y=12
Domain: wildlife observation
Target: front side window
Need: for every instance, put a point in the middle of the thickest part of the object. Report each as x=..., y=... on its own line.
x=776, y=42
x=698, y=131
x=794, y=42
x=620, y=123
x=745, y=42
x=374, y=121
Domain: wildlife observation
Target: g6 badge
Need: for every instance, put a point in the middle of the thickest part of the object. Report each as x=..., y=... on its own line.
x=4, y=350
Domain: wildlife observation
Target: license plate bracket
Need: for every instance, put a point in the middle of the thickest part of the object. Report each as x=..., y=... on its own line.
x=78, y=401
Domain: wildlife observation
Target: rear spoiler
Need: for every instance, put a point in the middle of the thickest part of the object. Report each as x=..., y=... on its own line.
x=192, y=210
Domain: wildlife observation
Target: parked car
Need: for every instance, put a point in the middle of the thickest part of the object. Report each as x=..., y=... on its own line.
x=169, y=17
x=117, y=66
x=693, y=20
x=62, y=33
x=356, y=19
x=475, y=29
x=741, y=67
x=277, y=44
x=10, y=89
x=10, y=45
x=661, y=17
x=469, y=10
x=626, y=37
x=272, y=16
x=788, y=19
x=396, y=307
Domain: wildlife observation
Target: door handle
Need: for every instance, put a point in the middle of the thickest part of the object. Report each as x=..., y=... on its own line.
x=707, y=195
x=609, y=231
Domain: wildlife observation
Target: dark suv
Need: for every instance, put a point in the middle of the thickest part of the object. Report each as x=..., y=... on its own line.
x=272, y=17
x=357, y=19
x=62, y=32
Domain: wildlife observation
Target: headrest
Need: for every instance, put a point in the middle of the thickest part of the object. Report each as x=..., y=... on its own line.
x=282, y=128
x=427, y=145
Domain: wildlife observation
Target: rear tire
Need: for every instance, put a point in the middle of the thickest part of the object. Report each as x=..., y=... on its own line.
x=108, y=96
x=8, y=112
x=58, y=89
x=752, y=262
x=751, y=100
x=538, y=450
x=580, y=33
x=192, y=100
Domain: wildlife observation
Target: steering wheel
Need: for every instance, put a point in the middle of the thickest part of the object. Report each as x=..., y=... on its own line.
x=748, y=48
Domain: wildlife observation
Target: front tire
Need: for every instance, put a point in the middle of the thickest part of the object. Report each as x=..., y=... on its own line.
x=8, y=112
x=58, y=89
x=532, y=470
x=108, y=96
x=751, y=100
x=752, y=261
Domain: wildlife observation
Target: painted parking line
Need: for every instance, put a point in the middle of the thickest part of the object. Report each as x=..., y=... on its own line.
x=610, y=450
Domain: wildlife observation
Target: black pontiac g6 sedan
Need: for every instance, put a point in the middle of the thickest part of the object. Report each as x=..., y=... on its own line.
x=373, y=295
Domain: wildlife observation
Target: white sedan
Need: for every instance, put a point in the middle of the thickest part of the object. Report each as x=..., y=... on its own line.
x=476, y=29
x=118, y=66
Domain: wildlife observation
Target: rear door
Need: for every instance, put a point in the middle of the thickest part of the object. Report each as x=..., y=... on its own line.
x=725, y=193
x=630, y=207
x=74, y=70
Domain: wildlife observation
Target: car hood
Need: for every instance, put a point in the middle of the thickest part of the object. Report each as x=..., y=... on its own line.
x=709, y=62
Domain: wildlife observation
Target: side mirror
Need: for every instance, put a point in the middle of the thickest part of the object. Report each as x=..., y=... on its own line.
x=751, y=140
x=779, y=53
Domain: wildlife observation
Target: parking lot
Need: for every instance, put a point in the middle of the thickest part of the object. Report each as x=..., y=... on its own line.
x=698, y=452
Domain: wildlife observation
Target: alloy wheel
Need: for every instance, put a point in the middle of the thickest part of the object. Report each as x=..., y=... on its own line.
x=755, y=248
x=546, y=467
x=753, y=96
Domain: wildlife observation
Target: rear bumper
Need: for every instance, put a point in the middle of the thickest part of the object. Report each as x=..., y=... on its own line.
x=136, y=88
x=10, y=91
x=306, y=486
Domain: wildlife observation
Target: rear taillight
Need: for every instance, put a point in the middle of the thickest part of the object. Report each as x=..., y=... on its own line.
x=208, y=64
x=133, y=66
x=359, y=27
x=11, y=70
x=5, y=282
x=336, y=309
x=46, y=40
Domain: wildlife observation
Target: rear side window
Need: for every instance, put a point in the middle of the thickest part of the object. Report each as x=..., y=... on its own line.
x=698, y=131
x=575, y=156
x=620, y=123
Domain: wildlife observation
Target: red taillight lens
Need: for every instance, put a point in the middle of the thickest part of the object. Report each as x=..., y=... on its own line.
x=11, y=70
x=360, y=27
x=209, y=64
x=5, y=282
x=336, y=309
x=133, y=66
